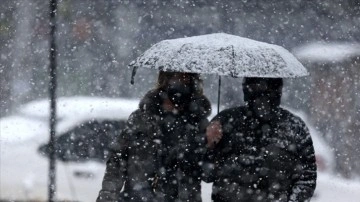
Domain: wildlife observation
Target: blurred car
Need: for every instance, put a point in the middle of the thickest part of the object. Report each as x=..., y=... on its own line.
x=86, y=126
x=87, y=141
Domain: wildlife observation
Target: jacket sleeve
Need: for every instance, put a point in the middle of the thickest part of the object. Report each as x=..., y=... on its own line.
x=116, y=166
x=213, y=156
x=208, y=166
x=200, y=141
x=209, y=158
x=190, y=151
x=305, y=184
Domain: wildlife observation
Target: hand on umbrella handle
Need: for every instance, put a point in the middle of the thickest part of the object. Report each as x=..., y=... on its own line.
x=213, y=134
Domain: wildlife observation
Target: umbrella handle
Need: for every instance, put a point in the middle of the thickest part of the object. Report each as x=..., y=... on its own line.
x=218, y=107
x=133, y=75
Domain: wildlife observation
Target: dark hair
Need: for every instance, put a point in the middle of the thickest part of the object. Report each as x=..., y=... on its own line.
x=165, y=77
x=274, y=83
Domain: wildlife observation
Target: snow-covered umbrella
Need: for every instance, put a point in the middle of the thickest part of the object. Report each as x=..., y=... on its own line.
x=221, y=54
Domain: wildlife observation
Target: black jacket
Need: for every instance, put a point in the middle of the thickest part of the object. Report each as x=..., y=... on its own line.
x=260, y=160
x=156, y=156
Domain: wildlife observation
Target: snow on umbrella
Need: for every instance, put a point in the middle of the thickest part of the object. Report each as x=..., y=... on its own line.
x=221, y=54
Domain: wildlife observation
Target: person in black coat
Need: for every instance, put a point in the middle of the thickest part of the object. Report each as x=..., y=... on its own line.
x=157, y=155
x=260, y=151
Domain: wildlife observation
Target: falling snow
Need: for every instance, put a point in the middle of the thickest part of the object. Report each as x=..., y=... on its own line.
x=314, y=46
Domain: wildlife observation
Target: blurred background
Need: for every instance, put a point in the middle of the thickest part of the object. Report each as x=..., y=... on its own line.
x=97, y=40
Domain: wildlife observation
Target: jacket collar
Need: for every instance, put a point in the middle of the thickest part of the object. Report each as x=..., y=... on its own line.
x=199, y=107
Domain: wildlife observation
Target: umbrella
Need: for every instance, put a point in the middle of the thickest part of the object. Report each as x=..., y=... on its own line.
x=221, y=54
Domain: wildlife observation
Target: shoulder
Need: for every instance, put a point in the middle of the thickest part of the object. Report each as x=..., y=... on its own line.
x=297, y=126
x=142, y=119
x=135, y=116
x=151, y=101
x=132, y=124
x=294, y=119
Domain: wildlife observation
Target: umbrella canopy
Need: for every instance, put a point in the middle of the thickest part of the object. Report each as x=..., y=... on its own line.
x=221, y=54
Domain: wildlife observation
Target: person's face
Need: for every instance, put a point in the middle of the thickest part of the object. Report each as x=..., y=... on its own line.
x=262, y=95
x=179, y=89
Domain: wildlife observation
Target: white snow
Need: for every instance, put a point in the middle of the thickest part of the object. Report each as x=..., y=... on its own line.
x=74, y=110
x=327, y=52
x=32, y=118
x=19, y=129
x=222, y=54
x=331, y=188
x=78, y=106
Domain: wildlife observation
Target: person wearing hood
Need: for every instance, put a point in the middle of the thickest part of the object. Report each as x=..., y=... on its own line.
x=260, y=151
x=157, y=155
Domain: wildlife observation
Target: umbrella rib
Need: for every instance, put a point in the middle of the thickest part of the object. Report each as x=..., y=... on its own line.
x=179, y=51
x=181, y=48
x=219, y=89
x=233, y=58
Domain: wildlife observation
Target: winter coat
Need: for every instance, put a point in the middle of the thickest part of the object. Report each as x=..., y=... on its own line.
x=156, y=157
x=261, y=161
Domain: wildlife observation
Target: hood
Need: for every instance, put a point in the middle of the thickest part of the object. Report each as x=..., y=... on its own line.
x=262, y=95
